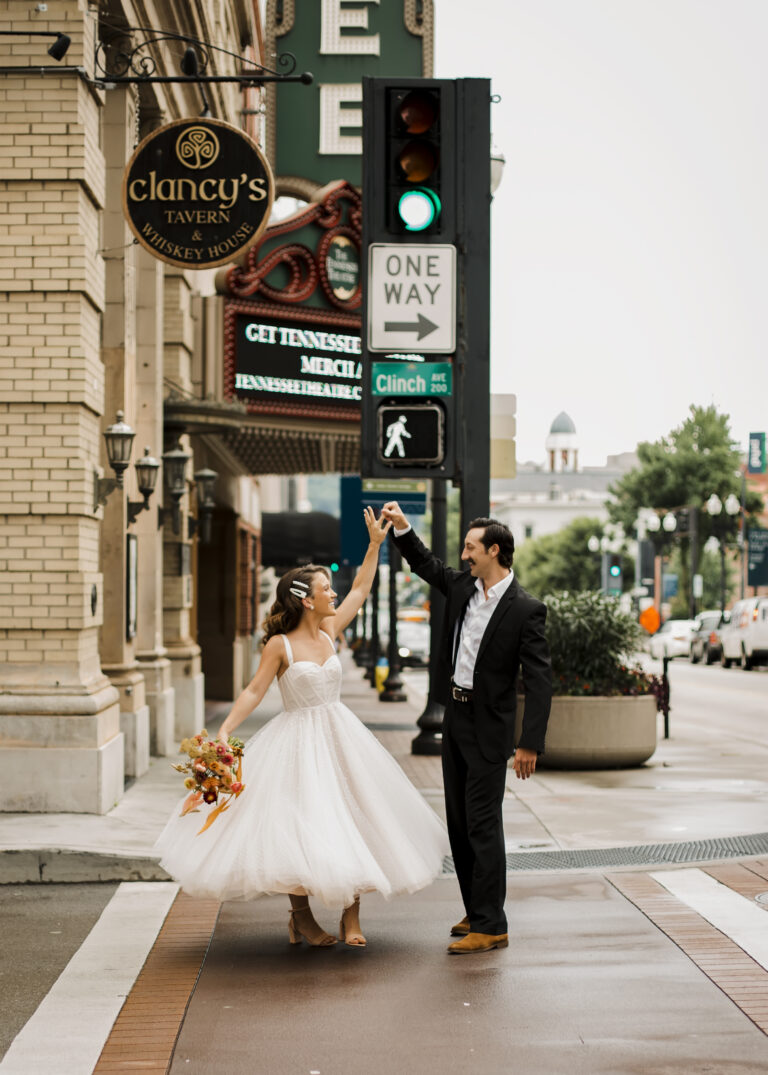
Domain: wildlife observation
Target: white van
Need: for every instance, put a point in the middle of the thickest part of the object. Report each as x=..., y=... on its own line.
x=745, y=638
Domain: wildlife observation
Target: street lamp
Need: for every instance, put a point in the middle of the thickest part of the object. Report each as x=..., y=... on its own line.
x=661, y=531
x=146, y=478
x=174, y=471
x=205, y=480
x=118, y=438
x=722, y=524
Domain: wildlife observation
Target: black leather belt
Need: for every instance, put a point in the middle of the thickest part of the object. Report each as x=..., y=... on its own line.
x=460, y=694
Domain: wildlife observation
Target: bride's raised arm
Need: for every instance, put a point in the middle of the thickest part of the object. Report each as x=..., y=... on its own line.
x=361, y=587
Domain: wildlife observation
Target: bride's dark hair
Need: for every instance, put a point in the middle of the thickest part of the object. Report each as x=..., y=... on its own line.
x=287, y=610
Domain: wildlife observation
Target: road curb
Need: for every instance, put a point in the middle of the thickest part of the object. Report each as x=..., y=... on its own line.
x=57, y=865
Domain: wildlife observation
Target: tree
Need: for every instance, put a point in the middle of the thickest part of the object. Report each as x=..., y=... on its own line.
x=683, y=469
x=560, y=561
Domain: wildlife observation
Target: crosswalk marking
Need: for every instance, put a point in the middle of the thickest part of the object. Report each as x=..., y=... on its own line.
x=734, y=915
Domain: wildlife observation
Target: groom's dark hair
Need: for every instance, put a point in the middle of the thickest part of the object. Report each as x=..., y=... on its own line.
x=496, y=533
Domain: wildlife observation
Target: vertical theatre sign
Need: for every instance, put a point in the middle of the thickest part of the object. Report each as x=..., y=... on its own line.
x=197, y=193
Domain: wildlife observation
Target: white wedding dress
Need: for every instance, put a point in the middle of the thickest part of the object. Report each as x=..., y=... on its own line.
x=326, y=810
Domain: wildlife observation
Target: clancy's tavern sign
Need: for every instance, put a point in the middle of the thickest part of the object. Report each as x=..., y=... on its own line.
x=197, y=193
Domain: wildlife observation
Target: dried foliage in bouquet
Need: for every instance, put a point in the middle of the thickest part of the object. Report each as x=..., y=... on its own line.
x=215, y=773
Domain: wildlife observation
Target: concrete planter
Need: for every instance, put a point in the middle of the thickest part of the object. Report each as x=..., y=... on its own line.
x=599, y=732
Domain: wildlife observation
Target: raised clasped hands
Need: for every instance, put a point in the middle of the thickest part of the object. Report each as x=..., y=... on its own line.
x=377, y=528
x=393, y=513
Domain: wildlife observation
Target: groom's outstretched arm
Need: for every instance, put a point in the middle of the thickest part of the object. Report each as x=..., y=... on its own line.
x=421, y=559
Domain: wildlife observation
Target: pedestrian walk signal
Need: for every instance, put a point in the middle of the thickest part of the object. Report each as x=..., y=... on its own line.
x=411, y=434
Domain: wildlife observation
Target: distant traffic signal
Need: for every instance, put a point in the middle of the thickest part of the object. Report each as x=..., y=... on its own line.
x=615, y=575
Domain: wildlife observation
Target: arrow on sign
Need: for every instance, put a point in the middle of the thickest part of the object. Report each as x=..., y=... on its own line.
x=422, y=326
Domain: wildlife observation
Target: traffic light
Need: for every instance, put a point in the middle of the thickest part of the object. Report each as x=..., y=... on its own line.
x=409, y=160
x=615, y=575
x=426, y=286
x=414, y=165
x=411, y=434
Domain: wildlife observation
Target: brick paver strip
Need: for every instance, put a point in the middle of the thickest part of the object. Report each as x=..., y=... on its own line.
x=717, y=956
x=144, y=1034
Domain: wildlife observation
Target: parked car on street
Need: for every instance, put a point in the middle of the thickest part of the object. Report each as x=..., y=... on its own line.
x=413, y=643
x=705, y=640
x=673, y=639
x=745, y=638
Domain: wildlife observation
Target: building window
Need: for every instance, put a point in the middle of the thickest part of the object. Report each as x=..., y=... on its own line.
x=528, y=530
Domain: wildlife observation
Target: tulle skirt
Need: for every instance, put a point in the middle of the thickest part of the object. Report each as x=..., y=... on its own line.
x=326, y=811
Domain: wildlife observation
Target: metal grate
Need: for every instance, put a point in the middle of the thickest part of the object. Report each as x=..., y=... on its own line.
x=641, y=855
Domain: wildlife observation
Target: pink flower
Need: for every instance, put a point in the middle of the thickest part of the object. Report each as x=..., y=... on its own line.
x=228, y=759
x=221, y=749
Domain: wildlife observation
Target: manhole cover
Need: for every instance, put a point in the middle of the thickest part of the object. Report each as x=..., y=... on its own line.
x=762, y=898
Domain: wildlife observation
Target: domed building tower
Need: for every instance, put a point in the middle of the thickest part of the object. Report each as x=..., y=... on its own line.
x=561, y=445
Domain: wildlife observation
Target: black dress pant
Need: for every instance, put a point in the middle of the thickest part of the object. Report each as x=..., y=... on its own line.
x=474, y=791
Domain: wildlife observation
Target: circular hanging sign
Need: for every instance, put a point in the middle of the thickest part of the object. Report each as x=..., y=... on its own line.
x=343, y=266
x=197, y=193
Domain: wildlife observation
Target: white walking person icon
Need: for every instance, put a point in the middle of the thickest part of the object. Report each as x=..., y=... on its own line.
x=396, y=431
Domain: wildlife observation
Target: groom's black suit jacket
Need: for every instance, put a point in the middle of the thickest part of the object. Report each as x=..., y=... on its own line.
x=514, y=638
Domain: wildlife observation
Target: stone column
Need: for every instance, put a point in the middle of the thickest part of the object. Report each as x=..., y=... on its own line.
x=119, y=356
x=150, y=648
x=59, y=715
x=183, y=650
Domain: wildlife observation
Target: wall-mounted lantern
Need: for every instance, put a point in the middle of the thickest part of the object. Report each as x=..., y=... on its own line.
x=146, y=476
x=174, y=471
x=119, y=439
x=205, y=480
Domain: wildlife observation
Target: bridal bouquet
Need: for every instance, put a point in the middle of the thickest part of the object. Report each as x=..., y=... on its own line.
x=215, y=774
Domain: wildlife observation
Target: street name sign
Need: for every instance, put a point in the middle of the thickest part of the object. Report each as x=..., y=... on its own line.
x=412, y=298
x=411, y=378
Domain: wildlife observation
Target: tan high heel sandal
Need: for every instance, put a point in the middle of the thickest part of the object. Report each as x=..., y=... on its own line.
x=295, y=932
x=354, y=939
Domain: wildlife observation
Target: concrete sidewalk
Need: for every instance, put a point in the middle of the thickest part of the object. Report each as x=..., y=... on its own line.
x=611, y=969
x=692, y=792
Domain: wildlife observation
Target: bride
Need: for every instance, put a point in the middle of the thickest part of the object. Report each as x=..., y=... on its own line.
x=326, y=811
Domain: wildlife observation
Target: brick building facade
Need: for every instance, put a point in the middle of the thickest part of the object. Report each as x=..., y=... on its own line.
x=92, y=324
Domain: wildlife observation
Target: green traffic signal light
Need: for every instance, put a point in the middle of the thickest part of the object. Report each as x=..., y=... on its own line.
x=615, y=570
x=334, y=566
x=418, y=208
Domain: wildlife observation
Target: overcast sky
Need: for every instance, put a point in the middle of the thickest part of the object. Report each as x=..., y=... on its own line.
x=631, y=228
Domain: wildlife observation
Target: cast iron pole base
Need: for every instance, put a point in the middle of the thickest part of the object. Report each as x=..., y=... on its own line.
x=393, y=689
x=430, y=738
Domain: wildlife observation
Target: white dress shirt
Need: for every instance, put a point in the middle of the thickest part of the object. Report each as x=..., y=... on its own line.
x=476, y=619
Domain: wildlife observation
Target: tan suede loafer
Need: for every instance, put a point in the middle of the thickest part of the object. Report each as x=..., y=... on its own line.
x=478, y=942
x=461, y=929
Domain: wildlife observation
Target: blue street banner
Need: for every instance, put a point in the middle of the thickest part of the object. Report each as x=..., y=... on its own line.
x=757, y=563
x=756, y=455
x=670, y=587
x=357, y=494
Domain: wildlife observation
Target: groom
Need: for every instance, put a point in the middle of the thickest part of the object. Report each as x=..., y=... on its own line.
x=491, y=629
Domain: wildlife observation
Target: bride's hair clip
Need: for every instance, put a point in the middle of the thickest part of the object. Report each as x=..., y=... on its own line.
x=299, y=589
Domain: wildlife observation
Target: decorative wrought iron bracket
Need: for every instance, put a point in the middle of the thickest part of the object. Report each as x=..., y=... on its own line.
x=117, y=62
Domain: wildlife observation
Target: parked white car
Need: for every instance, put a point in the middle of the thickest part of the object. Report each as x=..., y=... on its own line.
x=745, y=638
x=673, y=639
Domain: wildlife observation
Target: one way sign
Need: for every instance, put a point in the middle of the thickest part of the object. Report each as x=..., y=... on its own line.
x=412, y=298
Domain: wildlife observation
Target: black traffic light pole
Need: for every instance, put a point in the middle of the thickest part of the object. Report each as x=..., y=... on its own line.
x=473, y=361
x=430, y=738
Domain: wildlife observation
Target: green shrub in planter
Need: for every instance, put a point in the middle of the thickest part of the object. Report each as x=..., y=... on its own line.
x=592, y=643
